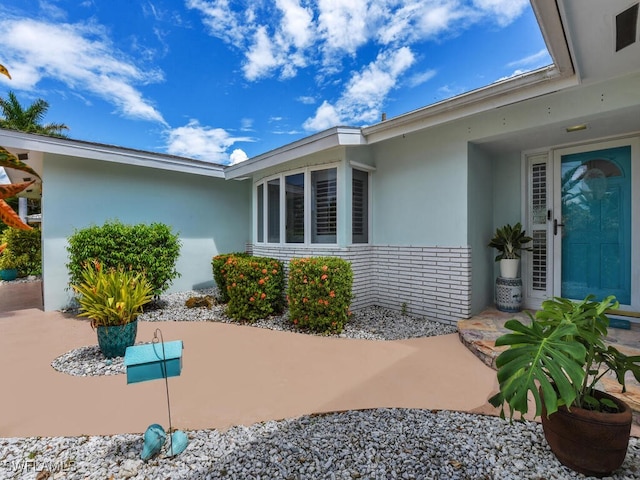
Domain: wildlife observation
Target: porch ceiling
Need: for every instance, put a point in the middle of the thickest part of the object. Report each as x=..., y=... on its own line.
x=599, y=125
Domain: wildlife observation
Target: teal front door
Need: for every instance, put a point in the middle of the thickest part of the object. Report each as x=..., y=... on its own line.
x=595, y=224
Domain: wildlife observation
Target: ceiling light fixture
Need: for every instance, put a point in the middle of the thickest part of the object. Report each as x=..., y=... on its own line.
x=576, y=128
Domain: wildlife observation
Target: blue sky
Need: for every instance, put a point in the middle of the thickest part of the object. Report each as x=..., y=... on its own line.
x=223, y=80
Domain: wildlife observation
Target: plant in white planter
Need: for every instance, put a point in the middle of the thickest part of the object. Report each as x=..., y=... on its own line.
x=509, y=241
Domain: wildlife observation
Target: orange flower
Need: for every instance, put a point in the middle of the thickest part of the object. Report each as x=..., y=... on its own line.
x=304, y=280
x=325, y=268
x=326, y=303
x=320, y=301
x=252, y=299
x=295, y=321
x=264, y=270
x=241, y=275
x=261, y=281
x=233, y=284
x=263, y=296
x=305, y=300
x=274, y=271
x=332, y=293
x=324, y=277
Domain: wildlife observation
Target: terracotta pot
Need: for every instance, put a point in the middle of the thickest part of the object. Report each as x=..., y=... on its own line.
x=592, y=443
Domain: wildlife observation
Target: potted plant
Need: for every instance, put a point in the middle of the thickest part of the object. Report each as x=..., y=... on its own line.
x=113, y=298
x=559, y=358
x=8, y=264
x=509, y=241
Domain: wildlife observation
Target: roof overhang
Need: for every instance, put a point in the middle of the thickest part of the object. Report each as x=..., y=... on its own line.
x=28, y=142
x=322, y=141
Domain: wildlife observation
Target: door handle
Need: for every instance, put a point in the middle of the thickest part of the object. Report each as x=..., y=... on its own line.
x=556, y=225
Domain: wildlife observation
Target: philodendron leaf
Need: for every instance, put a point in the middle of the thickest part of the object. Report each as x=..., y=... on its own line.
x=538, y=358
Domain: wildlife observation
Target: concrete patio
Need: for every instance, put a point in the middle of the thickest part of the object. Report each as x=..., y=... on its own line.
x=236, y=375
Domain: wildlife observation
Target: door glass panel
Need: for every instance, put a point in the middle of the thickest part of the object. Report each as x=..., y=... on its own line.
x=596, y=213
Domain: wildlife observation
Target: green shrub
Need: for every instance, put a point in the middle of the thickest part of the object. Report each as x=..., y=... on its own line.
x=23, y=251
x=150, y=249
x=255, y=286
x=220, y=273
x=319, y=293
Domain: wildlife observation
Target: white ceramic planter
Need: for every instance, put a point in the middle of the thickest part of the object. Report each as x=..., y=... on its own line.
x=509, y=267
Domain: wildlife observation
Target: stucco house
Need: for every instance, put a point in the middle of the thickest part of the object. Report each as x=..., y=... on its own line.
x=411, y=201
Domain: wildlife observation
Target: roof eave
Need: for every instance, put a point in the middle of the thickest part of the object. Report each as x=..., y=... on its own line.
x=321, y=141
x=76, y=148
x=513, y=90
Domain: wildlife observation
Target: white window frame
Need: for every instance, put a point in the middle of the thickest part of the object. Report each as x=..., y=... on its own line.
x=307, y=207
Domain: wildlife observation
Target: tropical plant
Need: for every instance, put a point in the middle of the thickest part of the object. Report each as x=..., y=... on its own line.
x=112, y=296
x=560, y=357
x=320, y=293
x=220, y=273
x=23, y=250
x=29, y=119
x=509, y=241
x=255, y=286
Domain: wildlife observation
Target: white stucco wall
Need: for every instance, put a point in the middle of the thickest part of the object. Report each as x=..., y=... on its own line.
x=211, y=215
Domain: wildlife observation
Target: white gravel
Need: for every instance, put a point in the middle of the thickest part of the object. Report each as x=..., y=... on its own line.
x=371, y=444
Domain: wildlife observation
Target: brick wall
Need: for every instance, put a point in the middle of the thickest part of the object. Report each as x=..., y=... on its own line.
x=434, y=282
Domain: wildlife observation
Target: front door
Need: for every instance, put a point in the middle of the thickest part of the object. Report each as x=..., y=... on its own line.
x=592, y=225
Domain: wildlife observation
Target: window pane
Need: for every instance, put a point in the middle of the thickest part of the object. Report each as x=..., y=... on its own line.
x=360, y=207
x=294, y=197
x=273, y=214
x=260, y=212
x=324, y=201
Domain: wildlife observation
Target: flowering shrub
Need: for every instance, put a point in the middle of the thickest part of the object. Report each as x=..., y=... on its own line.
x=319, y=293
x=255, y=286
x=220, y=273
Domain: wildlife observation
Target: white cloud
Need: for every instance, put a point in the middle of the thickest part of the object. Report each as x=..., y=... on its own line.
x=307, y=100
x=420, y=78
x=237, y=156
x=364, y=95
x=505, y=11
x=326, y=117
x=540, y=58
x=205, y=143
x=279, y=39
x=80, y=56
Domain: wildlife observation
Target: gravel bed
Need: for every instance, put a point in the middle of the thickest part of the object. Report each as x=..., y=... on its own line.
x=372, y=323
x=371, y=444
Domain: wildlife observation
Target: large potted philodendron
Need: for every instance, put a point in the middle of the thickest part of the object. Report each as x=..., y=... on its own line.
x=557, y=360
x=113, y=298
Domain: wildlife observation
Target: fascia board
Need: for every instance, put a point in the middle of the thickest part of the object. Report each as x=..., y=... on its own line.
x=74, y=148
x=322, y=141
x=525, y=87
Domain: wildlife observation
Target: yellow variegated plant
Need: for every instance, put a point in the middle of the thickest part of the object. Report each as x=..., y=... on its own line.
x=7, y=214
x=113, y=296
